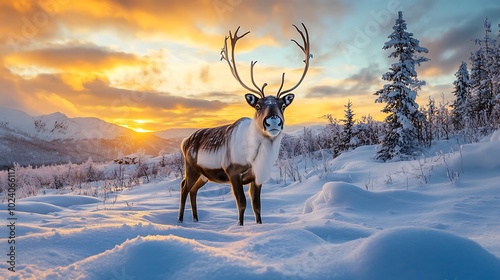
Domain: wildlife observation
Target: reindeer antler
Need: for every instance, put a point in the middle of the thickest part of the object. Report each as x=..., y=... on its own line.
x=307, y=51
x=232, y=63
x=260, y=91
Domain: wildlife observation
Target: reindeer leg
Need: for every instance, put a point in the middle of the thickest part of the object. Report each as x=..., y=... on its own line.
x=190, y=177
x=254, y=191
x=192, y=196
x=239, y=195
x=184, y=194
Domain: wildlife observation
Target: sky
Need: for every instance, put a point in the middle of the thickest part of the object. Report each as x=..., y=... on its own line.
x=155, y=65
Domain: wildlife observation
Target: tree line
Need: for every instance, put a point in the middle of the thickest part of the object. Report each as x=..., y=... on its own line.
x=473, y=113
x=408, y=127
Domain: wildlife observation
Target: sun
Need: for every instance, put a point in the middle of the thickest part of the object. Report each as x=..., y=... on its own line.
x=141, y=130
x=135, y=125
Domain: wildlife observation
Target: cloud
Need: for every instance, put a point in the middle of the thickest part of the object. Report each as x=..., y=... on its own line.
x=454, y=43
x=24, y=22
x=8, y=90
x=325, y=91
x=73, y=57
x=365, y=81
x=448, y=50
x=201, y=22
x=46, y=89
x=103, y=58
x=205, y=74
x=144, y=99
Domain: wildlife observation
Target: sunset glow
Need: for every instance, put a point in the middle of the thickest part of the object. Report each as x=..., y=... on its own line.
x=154, y=65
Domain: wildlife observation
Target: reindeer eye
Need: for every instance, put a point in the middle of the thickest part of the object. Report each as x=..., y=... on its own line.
x=257, y=107
x=283, y=107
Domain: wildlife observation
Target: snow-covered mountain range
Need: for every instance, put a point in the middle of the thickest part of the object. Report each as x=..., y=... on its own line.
x=58, y=126
x=55, y=138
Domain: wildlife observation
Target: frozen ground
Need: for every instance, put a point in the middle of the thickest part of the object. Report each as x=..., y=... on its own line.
x=433, y=218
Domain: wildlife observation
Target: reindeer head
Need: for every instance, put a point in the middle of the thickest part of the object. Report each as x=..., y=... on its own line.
x=269, y=110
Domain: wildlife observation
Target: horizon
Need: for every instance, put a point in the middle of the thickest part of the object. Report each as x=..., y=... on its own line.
x=155, y=66
x=289, y=128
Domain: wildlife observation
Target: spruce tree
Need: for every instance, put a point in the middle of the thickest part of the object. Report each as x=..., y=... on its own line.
x=461, y=93
x=483, y=72
x=348, y=128
x=431, y=117
x=400, y=139
x=495, y=70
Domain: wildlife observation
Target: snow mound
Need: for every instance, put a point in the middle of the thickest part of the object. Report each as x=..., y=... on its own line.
x=281, y=243
x=161, y=257
x=351, y=197
x=494, y=137
x=62, y=200
x=421, y=253
x=478, y=157
x=37, y=207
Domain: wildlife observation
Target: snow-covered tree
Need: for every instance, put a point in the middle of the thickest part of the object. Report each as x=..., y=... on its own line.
x=443, y=122
x=430, y=111
x=334, y=134
x=495, y=78
x=483, y=71
x=368, y=131
x=348, y=133
x=400, y=137
x=461, y=93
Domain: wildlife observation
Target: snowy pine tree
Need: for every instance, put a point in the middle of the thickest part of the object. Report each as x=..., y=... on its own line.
x=348, y=132
x=400, y=137
x=495, y=77
x=368, y=131
x=461, y=93
x=443, y=120
x=482, y=75
x=431, y=120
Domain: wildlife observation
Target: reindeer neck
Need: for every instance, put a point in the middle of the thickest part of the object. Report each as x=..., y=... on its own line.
x=262, y=153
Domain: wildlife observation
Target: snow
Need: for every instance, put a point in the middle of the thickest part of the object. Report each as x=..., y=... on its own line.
x=57, y=126
x=14, y=118
x=364, y=219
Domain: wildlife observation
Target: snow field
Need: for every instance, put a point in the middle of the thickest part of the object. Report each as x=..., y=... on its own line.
x=362, y=220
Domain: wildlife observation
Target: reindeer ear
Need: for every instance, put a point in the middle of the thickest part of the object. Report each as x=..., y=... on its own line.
x=251, y=99
x=287, y=99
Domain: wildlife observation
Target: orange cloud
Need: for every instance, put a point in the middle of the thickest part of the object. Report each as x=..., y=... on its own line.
x=73, y=58
x=432, y=71
x=158, y=60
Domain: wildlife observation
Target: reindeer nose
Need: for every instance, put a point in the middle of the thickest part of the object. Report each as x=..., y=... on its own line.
x=273, y=122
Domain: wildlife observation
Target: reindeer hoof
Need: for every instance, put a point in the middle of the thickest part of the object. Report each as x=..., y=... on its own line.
x=258, y=220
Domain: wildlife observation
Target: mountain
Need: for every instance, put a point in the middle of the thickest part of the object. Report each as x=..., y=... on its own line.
x=175, y=133
x=55, y=138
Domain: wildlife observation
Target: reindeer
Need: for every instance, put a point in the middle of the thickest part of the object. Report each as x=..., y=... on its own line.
x=243, y=152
